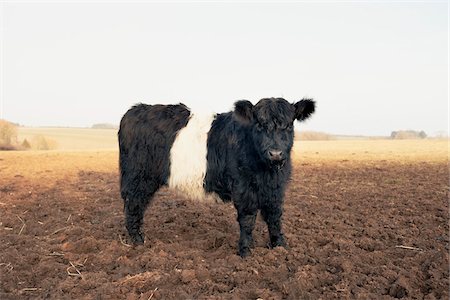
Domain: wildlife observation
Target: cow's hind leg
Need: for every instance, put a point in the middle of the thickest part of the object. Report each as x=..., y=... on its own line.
x=134, y=215
x=135, y=205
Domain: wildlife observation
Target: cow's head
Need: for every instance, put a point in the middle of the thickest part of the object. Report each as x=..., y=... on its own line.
x=271, y=122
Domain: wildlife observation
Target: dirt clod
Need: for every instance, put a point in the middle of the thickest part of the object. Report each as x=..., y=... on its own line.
x=187, y=276
x=399, y=288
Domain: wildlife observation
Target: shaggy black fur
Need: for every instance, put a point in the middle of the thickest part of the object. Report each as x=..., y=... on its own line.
x=146, y=135
x=248, y=160
x=241, y=168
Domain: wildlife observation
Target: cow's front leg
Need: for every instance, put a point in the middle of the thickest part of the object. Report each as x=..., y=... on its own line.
x=246, y=224
x=272, y=216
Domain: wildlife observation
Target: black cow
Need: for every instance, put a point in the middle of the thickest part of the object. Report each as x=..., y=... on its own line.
x=241, y=156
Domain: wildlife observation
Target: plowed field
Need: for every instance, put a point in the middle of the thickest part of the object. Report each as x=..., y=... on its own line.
x=363, y=219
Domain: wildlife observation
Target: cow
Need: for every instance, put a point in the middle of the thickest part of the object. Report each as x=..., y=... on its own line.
x=242, y=156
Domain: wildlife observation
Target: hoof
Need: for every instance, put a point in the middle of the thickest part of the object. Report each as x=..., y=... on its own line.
x=251, y=244
x=279, y=242
x=137, y=239
x=244, y=252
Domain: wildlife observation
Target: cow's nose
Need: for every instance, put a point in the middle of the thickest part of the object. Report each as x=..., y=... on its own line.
x=275, y=154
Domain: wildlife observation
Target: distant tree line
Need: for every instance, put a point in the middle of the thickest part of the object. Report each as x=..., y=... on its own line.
x=8, y=133
x=9, y=139
x=408, y=134
x=104, y=126
x=312, y=136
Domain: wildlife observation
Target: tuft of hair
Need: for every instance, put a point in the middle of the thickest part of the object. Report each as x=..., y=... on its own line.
x=304, y=109
x=243, y=111
x=273, y=112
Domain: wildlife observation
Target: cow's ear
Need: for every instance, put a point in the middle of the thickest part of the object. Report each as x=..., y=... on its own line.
x=243, y=111
x=304, y=109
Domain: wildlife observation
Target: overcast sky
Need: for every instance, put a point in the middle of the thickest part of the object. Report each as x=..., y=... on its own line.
x=371, y=67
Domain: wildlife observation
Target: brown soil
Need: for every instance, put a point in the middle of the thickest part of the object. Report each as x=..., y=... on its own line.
x=356, y=229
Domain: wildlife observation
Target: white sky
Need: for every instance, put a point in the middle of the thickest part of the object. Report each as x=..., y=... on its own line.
x=372, y=67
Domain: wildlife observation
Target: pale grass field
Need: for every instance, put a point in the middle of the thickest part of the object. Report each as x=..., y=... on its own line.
x=96, y=150
x=433, y=150
x=73, y=138
x=87, y=139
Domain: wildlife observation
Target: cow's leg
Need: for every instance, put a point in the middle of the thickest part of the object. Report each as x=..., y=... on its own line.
x=134, y=215
x=246, y=221
x=135, y=205
x=272, y=216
